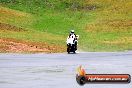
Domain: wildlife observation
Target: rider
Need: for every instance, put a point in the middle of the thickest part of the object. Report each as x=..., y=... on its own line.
x=73, y=35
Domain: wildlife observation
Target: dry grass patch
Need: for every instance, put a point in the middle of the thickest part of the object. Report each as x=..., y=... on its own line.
x=123, y=40
x=20, y=46
x=9, y=27
x=110, y=26
x=11, y=12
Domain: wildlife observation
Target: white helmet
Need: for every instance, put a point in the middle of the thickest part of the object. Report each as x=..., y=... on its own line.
x=72, y=31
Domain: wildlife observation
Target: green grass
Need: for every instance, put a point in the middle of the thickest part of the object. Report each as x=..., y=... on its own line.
x=103, y=25
x=33, y=36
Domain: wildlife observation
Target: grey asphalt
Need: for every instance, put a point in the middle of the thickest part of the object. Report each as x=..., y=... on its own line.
x=59, y=70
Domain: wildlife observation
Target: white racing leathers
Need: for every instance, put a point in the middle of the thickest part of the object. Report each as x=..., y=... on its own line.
x=71, y=39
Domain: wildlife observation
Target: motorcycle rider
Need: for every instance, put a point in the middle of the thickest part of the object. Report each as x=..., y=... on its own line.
x=74, y=37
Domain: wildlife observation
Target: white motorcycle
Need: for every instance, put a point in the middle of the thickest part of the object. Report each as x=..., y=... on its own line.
x=72, y=44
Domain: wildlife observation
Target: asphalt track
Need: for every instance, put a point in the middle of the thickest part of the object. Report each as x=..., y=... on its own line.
x=59, y=70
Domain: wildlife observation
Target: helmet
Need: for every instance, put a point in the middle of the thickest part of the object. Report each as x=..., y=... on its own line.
x=72, y=31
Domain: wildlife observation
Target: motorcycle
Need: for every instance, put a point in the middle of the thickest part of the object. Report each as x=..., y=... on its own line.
x=72, y=44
